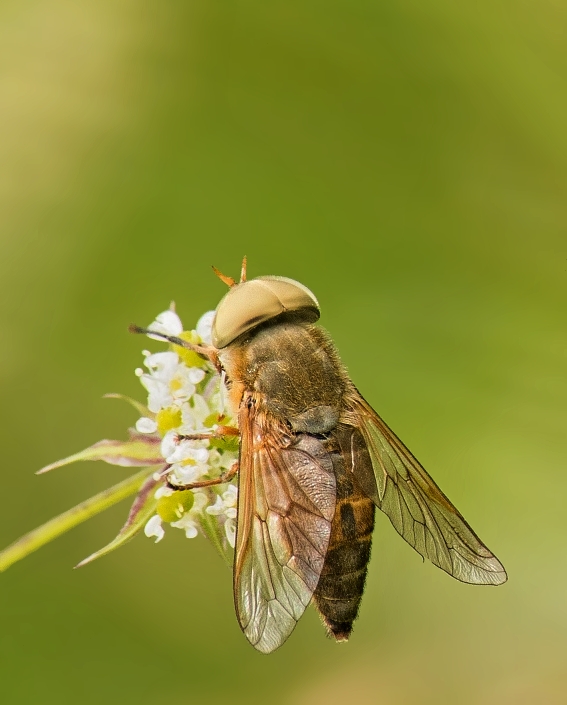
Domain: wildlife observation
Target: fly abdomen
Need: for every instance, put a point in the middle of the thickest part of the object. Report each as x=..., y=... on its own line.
x=341, y=584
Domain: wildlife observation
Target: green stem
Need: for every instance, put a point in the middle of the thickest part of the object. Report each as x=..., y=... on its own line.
x=62, y=523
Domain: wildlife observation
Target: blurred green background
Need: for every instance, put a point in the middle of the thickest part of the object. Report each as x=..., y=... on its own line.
x=405, y=160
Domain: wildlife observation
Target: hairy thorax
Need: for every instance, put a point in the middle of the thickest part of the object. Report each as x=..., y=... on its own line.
x=292, y=369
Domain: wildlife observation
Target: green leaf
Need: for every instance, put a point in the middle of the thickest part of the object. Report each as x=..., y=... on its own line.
x=73, y=517
x=140, y=408
x=143, y=508
x=140, y=450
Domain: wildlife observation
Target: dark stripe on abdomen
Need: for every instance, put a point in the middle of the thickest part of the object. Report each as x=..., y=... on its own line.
x=341, y=584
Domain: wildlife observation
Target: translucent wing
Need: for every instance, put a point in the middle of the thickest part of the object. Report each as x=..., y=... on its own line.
x=286, y=502
x=417, y=508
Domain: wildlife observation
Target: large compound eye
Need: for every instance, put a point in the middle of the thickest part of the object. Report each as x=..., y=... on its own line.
x=250, y=303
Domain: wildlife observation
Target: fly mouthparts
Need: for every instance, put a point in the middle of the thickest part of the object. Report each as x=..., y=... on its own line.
x=133, y=328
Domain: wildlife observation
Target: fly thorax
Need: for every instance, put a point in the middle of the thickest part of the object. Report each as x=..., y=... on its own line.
x=296, y=376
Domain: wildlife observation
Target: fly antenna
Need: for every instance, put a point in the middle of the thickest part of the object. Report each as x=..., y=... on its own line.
x=229, y=281
x=243, y=270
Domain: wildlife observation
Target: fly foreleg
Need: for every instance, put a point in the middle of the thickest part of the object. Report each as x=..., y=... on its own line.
x=225, y=477
x=219, y=432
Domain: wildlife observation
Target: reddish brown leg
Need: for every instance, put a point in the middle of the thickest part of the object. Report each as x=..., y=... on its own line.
x=225, y=477
x=219, y=432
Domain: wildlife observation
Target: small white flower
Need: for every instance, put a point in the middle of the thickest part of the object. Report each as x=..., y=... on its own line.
x=171, y=386
x=200, y=501
x=181, y=387
x=217, y=508
x=145, y=425
x=196, y=374
x=230, y=531
x=169, y=443
x=162, y=368
x=185, y=450
x=225, y=503
x=169, y=381
x=154, y=528
x=168, y=323
x=230, y=498
x=193, y=416
x=205, y=326
x=163, y=491
x=162, y=364
x=188, y=524
x=186, y=474
x=159, y=396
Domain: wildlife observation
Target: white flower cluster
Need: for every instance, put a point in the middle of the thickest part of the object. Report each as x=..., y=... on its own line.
x=186, y=397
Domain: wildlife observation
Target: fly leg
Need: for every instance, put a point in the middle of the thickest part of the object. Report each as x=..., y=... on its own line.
x=219, y=432
x=225, y=477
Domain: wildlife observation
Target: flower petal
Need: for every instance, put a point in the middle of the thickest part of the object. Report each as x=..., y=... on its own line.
x=167, y=322
x=230, y=530
x=216, y=508
x=154, y=528
x=205, y=326
x=146, y=425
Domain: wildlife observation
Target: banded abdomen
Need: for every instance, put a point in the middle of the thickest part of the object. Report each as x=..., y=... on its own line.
x=341, y=585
